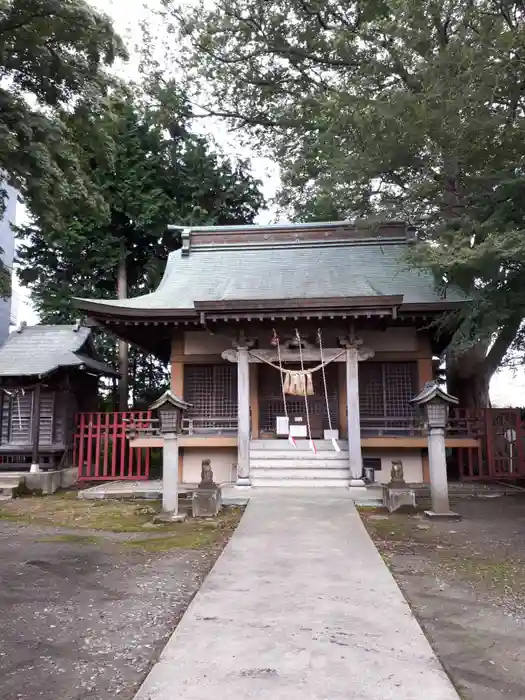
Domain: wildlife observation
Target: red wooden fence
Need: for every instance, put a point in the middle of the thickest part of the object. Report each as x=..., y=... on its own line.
x=102, y=451
x=500, y=454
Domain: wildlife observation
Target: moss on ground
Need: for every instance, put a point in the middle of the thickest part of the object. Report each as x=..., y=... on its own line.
x=72, y=539
x=197, y=539
x=66, y=511
x=497, y=575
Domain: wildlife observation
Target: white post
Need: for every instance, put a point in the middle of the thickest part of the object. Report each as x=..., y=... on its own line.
x=170, y=477
x=353, y=418
x=243, y=408
x=438, y=472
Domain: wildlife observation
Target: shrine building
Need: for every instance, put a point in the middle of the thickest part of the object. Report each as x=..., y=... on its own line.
x=298, y=346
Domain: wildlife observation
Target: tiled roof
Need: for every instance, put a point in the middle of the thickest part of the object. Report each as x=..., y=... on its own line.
x=309, y=270
x=39, y=350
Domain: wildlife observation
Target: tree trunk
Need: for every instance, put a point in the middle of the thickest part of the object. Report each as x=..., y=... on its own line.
x=469, y=373
x=471, y=388
x=122, y=284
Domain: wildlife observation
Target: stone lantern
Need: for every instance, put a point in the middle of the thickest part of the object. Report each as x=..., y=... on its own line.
x=433, y=404
x=170, y=409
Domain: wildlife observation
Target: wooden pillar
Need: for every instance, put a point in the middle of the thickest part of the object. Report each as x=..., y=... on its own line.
x=353, y=418
x=426, y=468
x=341, y=395
x=254, y=399
x=177, y=366
x=35, y=427
x=181, y=465
x=243, y=408
x=425, y=369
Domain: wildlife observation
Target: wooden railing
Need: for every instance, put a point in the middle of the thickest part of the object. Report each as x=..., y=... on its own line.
x=205, y=425
x=390, y=426
x=190, y=426
x=462, y=423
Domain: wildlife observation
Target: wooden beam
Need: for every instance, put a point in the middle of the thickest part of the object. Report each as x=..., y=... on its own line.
x=198, y=359
x=414, y=442
x=187, y=441
x=254, y=400
x=35, y=424
x=208, y=441
x=425, y=372
x=177, y=367
x=425, y=369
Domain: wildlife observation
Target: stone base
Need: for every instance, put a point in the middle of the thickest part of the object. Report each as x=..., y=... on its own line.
x=450, y=515
x=243, y=482
x=357, y=483
x=206, y=503
x=233, y=496
x=35, y=469
x=170, y=517
x=399, y=498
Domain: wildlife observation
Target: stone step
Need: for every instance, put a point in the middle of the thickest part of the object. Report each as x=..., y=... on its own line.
x=298, y=473
x=288, y=463
x=280, y=445
x=299, y=455
x=264, y=482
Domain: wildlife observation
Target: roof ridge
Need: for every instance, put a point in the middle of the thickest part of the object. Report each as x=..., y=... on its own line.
x=280, y=245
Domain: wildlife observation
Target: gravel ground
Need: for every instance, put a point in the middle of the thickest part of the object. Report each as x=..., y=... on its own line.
x=85, y=615
x=465, y=581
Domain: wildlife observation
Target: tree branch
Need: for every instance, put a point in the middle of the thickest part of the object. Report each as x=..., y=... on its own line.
x=502, y=343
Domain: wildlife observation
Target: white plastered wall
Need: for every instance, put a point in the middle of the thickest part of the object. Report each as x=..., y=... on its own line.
x=204, y=343
x=412, y=464
x=223, y=463
x=391, y=340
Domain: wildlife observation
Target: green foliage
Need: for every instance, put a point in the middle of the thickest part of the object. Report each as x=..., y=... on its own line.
x=158, y=173
x=53, y=55
x=387, y=108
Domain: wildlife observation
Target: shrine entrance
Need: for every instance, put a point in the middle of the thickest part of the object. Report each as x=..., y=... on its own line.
x=271, y=400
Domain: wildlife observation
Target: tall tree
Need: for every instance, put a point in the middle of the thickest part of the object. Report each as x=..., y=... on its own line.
x=159, y=173
x=411, y=108
x=52, y=53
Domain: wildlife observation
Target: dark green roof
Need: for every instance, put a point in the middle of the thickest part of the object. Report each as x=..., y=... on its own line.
x=224, y=265
x=40, y=350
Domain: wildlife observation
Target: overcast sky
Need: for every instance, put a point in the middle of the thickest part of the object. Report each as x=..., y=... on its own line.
x=508, y=387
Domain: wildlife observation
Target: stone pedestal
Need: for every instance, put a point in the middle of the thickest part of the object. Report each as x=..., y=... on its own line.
x=438, y=476
x=400, y=497
x=206, y=503
x=450, y=515
x=170, y=480
x=206, y=500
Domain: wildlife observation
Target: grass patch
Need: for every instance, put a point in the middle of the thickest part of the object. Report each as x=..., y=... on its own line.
x=500, y=575
x=188, y=540
x=72, y=539
x=67, y=511
x=394, y=527
x=191, y=534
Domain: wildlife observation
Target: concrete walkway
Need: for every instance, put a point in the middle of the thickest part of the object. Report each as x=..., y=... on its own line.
x=299, y=606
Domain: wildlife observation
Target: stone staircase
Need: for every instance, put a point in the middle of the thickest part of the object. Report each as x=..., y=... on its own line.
x=278, y=463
